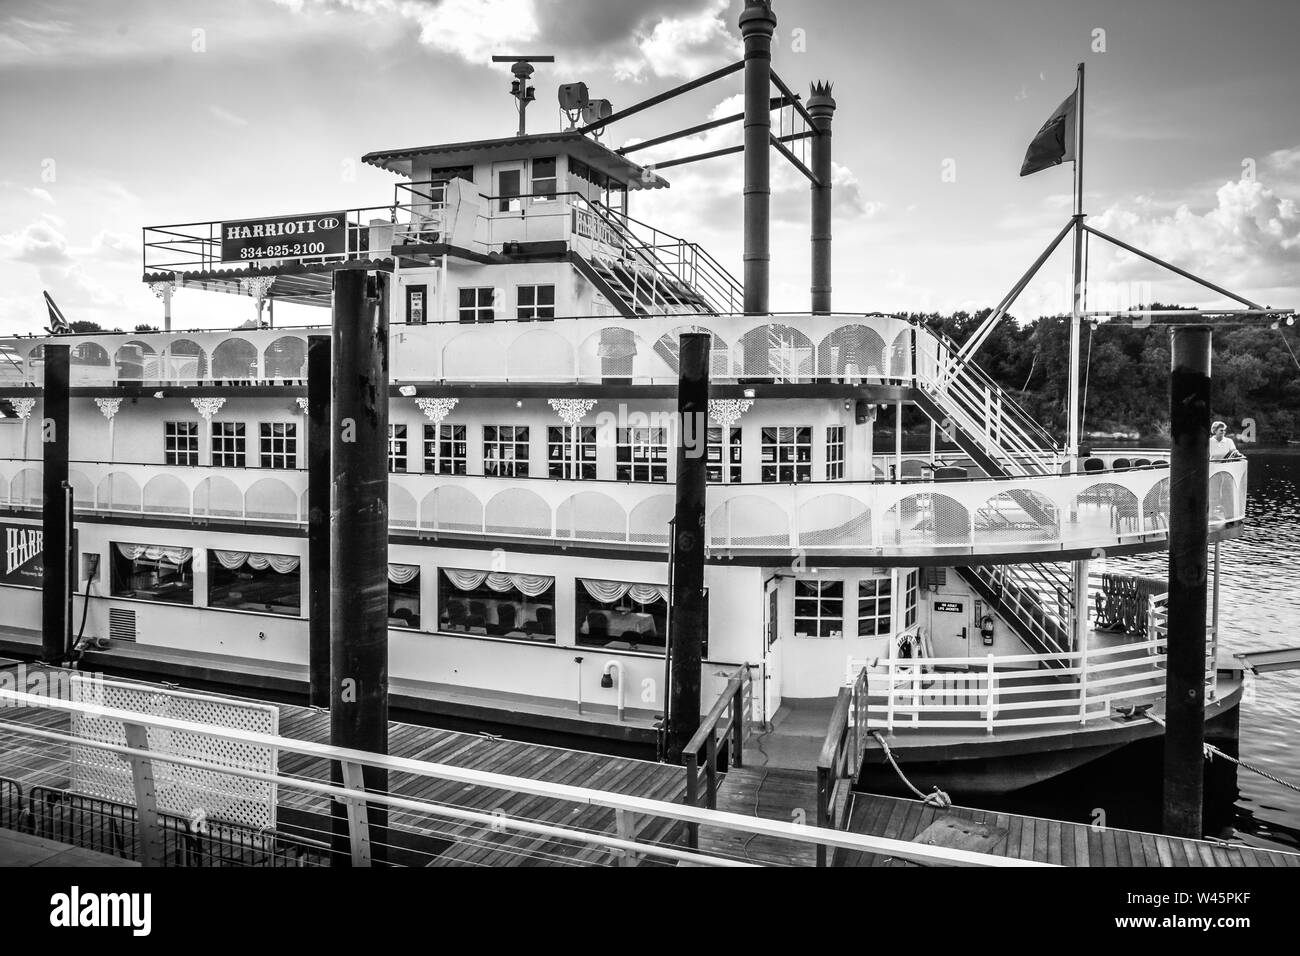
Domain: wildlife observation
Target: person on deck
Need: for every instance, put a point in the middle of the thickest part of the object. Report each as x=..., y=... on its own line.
x=1222, y=447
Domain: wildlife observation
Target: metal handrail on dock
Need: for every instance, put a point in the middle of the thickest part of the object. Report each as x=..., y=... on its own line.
x=841, y=758
x=421, y=815
x=727, y=720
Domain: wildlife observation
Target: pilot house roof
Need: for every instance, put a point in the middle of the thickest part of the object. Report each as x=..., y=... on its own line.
x=571, y=143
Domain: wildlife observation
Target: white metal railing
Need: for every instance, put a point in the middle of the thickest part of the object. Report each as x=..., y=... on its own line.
x=1006, y=691
x=466, y=821
x=865, y=517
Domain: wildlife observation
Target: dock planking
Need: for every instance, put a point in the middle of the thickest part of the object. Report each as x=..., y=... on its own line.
x=1046, y=841
x=772, y=794
x=34, y=763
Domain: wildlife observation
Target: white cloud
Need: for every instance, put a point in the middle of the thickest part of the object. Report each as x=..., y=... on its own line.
x=1248, y=242
x=233, y=119
x=662, y=38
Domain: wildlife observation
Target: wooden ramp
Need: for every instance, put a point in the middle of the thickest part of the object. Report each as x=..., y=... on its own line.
x=1033, y=838
x=773, y=794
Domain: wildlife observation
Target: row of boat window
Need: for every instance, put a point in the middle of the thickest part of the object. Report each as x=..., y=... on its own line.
x=612, y=614
x=819, y=606
x=641, y=453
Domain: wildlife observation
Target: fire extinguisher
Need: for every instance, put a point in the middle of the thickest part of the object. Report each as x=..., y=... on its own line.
x=986, y=629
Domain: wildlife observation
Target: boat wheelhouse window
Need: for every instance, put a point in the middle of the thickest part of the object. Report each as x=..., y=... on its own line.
x=909, y=599
x=152, y=572
x=723, y=459
x=620, y=616
x=875, y=604
x=503, y=605
x=641, y=454
x=505, y=451
x=438, y=179
x=476, y=304
x=446, y=450
x=535, y=302
x=181, y=443
x=571, y=451
x=397, y=448
x=818, y=608
x=228, y=448
x=616, y=196
x=834, y=452
x=252, y=581
x=403, y=595
x=279, y=444
x=508, y=189
x=787, y=454
x=544, y=179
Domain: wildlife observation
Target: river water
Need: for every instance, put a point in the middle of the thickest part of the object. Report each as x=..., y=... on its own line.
x=1259, y=609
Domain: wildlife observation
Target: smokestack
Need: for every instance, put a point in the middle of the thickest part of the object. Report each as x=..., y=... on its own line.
x=821, y=107
x=757, y=24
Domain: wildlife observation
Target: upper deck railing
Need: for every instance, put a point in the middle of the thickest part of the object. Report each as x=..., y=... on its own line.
x=968, y=520
x=790, y=348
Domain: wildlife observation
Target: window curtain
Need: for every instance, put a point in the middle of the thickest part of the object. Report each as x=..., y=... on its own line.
x=281, y=563
x=402, y=573
x=153, y=552
x=531, y=585
x=608, y=592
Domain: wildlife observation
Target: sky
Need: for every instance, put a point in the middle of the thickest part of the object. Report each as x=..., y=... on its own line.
x=121, y=115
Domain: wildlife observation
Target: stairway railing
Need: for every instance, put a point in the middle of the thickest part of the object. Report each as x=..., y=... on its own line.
x=1037, y=598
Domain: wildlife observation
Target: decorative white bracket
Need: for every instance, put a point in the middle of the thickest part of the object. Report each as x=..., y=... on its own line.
x=23, y=406
x=164, y=289
x=727, y=411
x=109, y=406
x=302, y=404
x=207, y=407
x=571, y=410
x=436, y=409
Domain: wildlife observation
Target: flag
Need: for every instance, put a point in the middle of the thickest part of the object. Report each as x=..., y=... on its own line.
x=58, y=324
x=1054, y=143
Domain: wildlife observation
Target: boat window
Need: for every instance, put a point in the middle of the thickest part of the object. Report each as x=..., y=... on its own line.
x=818, y=608
x=446, y=450
x=228, y=448
x=723, y=458
x=909, y=600
x=621, y=616
x=834, y=452
x=536, y=302
x=508, y=182
x=279, y=444
x=397, y=448
x=476, y=305
x=642, y=454
x=152, y=572
x=505, y=451
x=875, y=605
x=503, y=605
x=787, y=454
x=403, y=595
x=253, y=581
x=181, y=443
x=571, y=451
x=544, y=179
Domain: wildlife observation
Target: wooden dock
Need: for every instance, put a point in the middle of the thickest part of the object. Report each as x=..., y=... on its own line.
x=773, y=794
x=426, y=840
x=1034, y=838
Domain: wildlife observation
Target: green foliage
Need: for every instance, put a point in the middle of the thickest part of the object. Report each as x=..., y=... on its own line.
x=1127, y=372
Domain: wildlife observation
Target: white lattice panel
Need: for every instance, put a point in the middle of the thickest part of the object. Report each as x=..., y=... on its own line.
x=185, y=791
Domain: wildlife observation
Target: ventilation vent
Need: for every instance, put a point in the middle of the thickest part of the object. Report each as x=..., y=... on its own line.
x=935, y=578
x=121, y=624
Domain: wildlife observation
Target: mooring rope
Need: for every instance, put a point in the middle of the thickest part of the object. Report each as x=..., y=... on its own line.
x=1212, y=751
x=936, y=799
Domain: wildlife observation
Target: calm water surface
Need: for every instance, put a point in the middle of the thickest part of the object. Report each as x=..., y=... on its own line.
x=1259, y=609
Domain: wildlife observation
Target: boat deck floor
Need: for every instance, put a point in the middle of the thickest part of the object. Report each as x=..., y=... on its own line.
x=1034, y=838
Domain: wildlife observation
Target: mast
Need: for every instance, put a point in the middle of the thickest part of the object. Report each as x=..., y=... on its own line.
x=1077, y=285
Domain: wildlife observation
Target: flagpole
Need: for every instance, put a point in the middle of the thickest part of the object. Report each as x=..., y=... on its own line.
x=1076, y=297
